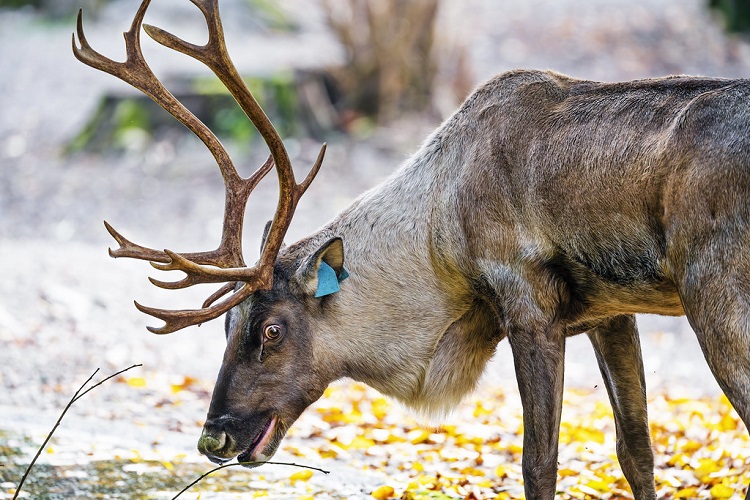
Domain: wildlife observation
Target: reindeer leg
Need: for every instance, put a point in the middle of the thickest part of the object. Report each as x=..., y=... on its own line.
x=717, y=305
x=618, y=351
x=539, y=357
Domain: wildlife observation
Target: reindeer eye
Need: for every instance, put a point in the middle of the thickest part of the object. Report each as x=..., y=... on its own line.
x=272, y=332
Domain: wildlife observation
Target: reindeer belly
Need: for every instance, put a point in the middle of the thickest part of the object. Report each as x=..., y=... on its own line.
x=615, y=281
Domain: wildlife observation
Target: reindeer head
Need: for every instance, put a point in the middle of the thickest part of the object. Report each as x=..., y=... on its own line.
x=268, y=376
x=271, y=370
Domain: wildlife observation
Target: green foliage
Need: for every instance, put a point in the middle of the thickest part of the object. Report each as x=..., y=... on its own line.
x=276, y=94
x=129, y=116
x=736, y=14
x=114, y=124
x=96, y=479
x=56, y=9
x=21, y=3
x=121, y=122
x=270, y=14
x=89, y=135
x=232, y=122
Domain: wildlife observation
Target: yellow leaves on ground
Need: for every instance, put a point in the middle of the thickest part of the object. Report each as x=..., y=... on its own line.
x=706, y=466
x=383, y=492
x=691, y=492
x=302, y=475
x=418, y=436
x=481, y=411
x=501, y=472
x=186, y=383
x=721, y=491
x=702, y=449
x=379, y=408
x=135, y=381
x=570, y=433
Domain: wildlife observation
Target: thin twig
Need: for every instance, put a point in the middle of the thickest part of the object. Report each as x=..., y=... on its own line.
x=289, y=464
x=78, y=395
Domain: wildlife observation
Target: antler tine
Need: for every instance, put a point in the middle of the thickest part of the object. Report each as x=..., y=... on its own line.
x=314, y=170
x=214, y=54
x=229, y=287
x=283, y=216
x=197, y=273
x=225, y=264
x=177, y=320
x=136, y=72
x=133, y=250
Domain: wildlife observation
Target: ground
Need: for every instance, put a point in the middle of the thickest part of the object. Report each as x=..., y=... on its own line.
x=66, y=308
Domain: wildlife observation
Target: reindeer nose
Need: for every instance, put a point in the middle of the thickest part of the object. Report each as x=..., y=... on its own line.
x=211, y=443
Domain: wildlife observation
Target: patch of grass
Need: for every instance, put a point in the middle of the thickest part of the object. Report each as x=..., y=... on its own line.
x=126, y=479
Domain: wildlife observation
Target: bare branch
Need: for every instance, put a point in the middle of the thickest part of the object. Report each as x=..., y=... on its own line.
x=78, y=395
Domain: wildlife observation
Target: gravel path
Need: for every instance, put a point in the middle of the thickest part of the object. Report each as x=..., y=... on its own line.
x=66, y=308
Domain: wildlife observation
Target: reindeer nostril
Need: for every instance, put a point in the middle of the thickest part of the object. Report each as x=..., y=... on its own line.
x=221, y=441
x=212, y=442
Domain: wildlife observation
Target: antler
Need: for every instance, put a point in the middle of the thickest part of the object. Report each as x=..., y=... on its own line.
x=224, y=264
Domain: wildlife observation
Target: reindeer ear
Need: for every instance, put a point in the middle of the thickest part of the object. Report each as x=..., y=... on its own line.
x=322, y=272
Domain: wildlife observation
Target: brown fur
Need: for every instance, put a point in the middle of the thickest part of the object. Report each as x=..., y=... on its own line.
x=544, y=207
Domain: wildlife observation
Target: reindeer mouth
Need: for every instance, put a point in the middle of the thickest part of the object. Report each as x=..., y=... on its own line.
x=254, y=452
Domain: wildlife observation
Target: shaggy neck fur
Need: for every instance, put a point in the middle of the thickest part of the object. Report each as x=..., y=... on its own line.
x=429, y=361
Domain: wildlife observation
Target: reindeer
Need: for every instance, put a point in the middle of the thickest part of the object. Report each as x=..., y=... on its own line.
x=545, y=207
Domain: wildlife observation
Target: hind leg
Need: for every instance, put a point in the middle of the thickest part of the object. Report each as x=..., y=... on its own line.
x=715, y=292
x=618, y=352
x=716, y=299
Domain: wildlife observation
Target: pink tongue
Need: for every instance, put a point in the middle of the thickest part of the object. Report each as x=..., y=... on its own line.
x=263, y=442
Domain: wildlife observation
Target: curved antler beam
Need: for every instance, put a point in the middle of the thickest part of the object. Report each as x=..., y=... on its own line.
x=226, y=263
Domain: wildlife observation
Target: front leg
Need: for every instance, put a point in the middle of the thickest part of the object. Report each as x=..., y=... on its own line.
x=539, y=357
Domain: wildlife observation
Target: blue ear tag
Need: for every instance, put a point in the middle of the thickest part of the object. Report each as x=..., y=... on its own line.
x=328, y=282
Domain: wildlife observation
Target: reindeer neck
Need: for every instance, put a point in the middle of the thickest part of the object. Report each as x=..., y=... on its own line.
x=389, y=240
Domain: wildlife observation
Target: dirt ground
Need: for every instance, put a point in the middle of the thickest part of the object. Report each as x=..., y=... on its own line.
x=66, y=307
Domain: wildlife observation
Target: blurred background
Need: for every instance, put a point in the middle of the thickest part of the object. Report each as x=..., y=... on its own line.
x=370, y=77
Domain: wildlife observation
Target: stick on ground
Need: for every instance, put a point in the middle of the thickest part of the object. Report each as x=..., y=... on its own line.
x=78, y=395
x=289, y=464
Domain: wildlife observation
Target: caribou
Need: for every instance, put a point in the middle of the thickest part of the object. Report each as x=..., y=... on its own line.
x=544, y=207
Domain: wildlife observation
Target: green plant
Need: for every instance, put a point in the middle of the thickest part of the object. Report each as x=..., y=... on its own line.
x=271, y=14
x=56, y=9
x=736, y=14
